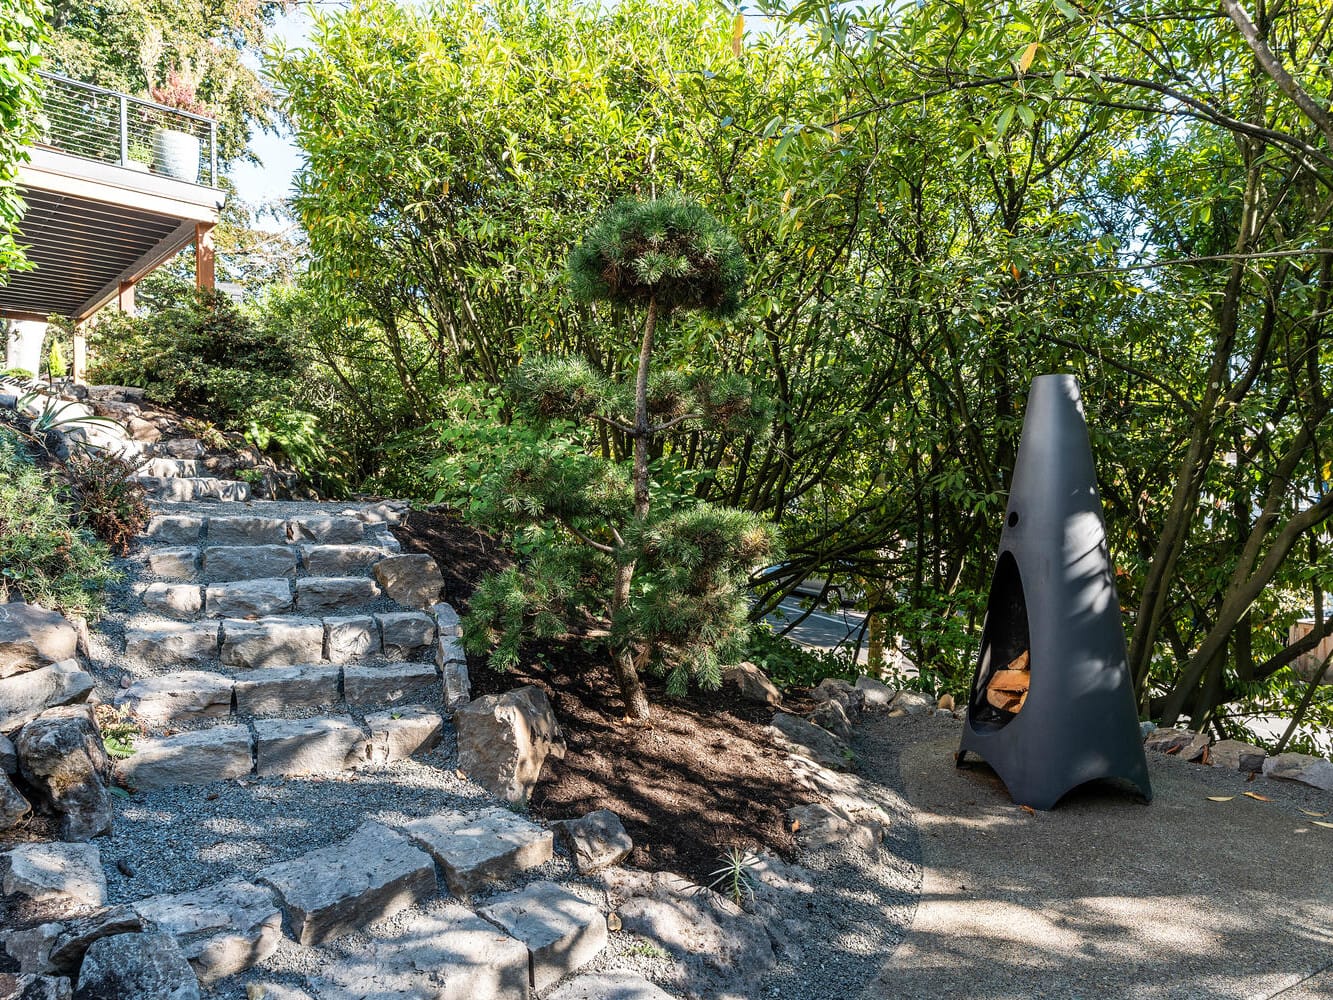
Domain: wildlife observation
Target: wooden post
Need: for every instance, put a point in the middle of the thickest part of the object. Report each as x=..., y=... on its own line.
x=126, y=298
x=80, y=368
x=204, y=264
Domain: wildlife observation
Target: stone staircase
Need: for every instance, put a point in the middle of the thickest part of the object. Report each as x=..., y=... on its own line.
x=275, y=640
x=289, y=650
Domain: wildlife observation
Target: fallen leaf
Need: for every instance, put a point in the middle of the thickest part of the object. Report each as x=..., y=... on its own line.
x=795, y=825
x=1256, y=795
x=1029, y=810
x=613, y=922
x=1314, y=814
x=1253, y=775
x=1326, y=826
x=1220, y=798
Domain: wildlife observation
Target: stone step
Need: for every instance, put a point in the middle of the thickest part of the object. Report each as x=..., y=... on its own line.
x=447, y=954
x=184, y=696
x=335, y=890
x=196, y=757
x=277, y=746
x=561, y=931
x=309, y=595
x=256, y=561
x=184, y=489
x=307, y=746
x=257, y=529
x=194, y=695
x=280, y=640
x=476, y=849
x=609, y=986
x=172, y=468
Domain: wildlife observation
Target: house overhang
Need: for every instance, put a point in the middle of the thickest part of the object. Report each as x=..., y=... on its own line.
x=91, y=227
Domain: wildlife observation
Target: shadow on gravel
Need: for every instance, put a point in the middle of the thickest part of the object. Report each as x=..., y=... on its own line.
x=1107, y=897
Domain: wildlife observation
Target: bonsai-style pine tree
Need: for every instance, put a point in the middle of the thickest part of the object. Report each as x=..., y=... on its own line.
x=669, y=579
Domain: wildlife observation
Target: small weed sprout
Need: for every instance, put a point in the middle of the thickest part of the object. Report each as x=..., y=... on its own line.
x=119, y=730
x=735, y=879
x=644, y=948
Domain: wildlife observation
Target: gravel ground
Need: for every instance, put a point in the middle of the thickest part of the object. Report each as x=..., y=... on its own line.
x=1179, y=899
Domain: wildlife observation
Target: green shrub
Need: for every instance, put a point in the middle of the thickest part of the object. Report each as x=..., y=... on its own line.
x=791, y=666
x=55, y=361
x=44, y=557
x=203, y=356
x=111, y=502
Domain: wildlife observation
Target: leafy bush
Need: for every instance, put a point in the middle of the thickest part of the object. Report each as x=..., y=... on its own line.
x=111, y=502
x=791, y=666
x=203, y=355
x=44, y=558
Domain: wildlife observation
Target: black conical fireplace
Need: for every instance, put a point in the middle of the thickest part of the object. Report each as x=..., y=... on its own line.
x=1052, y=705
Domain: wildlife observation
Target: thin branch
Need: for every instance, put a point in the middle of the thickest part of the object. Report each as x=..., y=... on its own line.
x=672, y=423
x=599, y=546
x=1274, y=68
x=613, y=422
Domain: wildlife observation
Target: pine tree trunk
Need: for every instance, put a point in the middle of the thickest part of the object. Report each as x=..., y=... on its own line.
x=627, y=675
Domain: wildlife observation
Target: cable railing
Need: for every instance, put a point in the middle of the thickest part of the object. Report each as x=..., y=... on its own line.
x=100, y=124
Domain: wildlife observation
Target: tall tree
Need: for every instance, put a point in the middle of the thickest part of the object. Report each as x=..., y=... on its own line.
x=133, y=45
x=22, y=29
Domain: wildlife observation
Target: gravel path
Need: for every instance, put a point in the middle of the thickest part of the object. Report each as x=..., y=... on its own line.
x=1105, y=896
x=862, y=904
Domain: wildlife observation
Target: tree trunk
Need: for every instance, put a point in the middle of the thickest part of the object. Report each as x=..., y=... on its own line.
x=627, y=675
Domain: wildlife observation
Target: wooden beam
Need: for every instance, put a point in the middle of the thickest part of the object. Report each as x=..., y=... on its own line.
x=204, y=259
x=125, y=298
x=80, y=368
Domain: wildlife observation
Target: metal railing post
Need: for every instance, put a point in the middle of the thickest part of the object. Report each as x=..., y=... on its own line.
x=213, y=154
x=124, y=131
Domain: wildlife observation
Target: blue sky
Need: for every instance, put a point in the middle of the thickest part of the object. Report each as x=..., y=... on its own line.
x=270, y=179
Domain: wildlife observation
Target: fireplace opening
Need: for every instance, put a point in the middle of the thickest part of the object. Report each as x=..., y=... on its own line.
x=1000, y=687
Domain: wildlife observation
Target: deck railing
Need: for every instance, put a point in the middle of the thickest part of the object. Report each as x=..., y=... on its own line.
x=100, y=124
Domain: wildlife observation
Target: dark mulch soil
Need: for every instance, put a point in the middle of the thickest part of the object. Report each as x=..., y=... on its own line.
x=703, y=778
x=465, y=553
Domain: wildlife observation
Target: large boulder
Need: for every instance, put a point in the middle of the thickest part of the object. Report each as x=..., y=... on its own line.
x=799, y=736
x=14, y=808
x=1313, y=771
x=62, y=758
x=70, y=874
x=831, y=715
x=1233, y=755
x=25, y=696
x=414, y=581
x=504, y=739
x=222, y=930
x=32, y=637
x=752, y=683
x=720, y=949
x=135, y=967
x=32, y=987
x=597, y=840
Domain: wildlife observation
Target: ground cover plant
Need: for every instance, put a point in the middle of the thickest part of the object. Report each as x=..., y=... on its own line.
x=46, y=556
